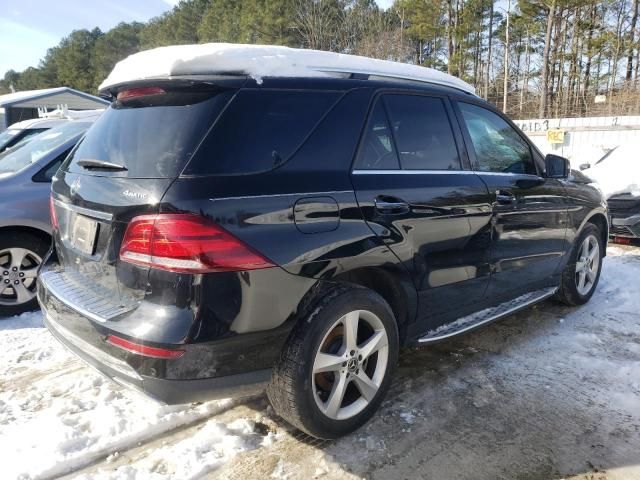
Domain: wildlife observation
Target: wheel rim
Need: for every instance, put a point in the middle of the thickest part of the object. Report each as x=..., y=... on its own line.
x=18, y=272
x=587, y=265
x=350, y=364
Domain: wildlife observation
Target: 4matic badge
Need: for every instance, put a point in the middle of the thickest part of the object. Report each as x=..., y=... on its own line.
x=137, y=195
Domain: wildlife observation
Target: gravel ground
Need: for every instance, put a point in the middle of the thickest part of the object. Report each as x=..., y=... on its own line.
x=551, y=392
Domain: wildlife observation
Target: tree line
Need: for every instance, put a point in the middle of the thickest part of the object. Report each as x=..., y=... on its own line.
x=535, y=58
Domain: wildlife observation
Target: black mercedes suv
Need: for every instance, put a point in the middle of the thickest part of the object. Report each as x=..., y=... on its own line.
x=216, y=235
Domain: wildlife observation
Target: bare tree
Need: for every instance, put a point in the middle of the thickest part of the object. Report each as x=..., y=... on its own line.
x=488, y=72
x=505, y=85
x=632, y=39
x=319, y=24
x=545, y=61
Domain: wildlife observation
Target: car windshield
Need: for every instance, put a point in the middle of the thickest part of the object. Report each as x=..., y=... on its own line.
x=15, y=160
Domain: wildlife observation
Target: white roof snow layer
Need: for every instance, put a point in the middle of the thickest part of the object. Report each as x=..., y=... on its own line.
x=260, y=61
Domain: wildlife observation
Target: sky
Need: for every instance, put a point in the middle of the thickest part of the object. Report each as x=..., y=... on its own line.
x=29, y=27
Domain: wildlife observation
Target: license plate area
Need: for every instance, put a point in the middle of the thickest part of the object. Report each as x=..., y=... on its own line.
x=84, y=232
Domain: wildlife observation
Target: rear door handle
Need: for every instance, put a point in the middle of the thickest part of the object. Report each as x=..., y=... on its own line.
x=504, y=197
x=391, y=205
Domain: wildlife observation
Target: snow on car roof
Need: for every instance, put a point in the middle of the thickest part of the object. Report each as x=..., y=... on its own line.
x=260, y=61
x=619, y=171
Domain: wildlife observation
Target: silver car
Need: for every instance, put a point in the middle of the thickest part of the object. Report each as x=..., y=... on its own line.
x=25, y=228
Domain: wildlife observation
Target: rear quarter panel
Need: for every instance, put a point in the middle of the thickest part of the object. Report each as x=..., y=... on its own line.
x=24, y=203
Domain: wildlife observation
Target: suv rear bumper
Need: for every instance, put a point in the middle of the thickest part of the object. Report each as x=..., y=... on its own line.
x=229, y=367
x=162, y=390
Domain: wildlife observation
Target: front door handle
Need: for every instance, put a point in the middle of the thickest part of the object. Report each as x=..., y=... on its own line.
x=391, y=205
x=504, y=197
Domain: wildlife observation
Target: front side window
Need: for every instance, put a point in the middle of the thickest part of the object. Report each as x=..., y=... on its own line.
x=422, y=132
x=498, y=147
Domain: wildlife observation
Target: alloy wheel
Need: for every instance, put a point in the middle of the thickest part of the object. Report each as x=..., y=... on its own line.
x=350, y=365
x=587, y=265
x=18, y=272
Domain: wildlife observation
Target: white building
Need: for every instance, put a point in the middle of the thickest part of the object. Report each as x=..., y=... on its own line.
x=18, y=106
x=581, y=140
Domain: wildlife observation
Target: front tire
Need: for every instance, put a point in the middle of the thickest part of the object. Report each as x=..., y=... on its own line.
x=581, y=274
x=337, y=365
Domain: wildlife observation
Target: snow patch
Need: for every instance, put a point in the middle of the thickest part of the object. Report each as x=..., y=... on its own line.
x=212, y=446
x=53, y=405
x=260, y=61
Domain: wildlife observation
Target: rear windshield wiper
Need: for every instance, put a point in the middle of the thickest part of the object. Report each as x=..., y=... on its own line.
x=88, y=163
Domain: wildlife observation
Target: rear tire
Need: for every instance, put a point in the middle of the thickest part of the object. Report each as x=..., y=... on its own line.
x=581, y=274
x=20, y=256
x=337, y=364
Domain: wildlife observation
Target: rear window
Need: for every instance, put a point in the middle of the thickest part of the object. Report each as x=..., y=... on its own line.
x=15, y=138
x=15, y=159
x=152, y=136
x=260, y=130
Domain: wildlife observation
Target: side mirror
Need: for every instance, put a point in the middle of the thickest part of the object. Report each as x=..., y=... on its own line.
x=585, y=166
x=556, y=166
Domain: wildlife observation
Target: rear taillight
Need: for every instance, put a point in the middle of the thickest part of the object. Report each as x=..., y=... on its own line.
x=186, y=243
x=144, y=350
x=139, y=92
x=52, y=212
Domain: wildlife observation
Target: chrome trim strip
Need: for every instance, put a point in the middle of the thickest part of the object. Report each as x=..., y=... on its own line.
x=299, y=194
x=412, y=172
x=101, y=356
x=508, y=174
x=548, y=293
x=84, y=211
x=440, y=172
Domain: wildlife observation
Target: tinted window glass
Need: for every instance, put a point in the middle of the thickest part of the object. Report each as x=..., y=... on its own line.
x=422, y=132
x=260, y=130
x=153, y=137
x=498, y=147
x=47, y=173
x=16, y=159
x=377, y=151
x=15, y=138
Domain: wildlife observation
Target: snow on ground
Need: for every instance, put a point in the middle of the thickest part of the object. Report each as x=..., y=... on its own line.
x=56, y=415
x=549, y=392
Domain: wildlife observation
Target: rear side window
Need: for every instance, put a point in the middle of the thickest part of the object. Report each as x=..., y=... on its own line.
x=47, y=173
x=377, y=151
x=498, y=147
x=422, y=131
x=260, y=130
x=152, y=136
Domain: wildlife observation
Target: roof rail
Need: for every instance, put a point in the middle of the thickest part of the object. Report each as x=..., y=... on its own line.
x=367, y=74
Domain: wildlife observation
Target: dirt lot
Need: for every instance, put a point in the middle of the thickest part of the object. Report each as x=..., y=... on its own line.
x=551, y=392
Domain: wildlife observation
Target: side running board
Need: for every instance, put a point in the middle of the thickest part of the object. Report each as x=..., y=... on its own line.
x=486, y=316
